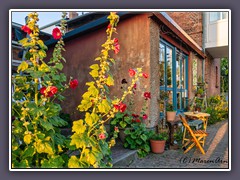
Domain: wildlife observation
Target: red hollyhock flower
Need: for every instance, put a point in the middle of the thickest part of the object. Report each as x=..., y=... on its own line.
x=122, y=107
x=138, y=120
x=115, y=40
x=116, y=129
x=116, y=48
x=56, y=33
x=144, y=117
x=147, y=95
x=131, y=72
x=26, y=29
x=117, y=107
x=135, y=86
x=73, y=83
x=145, y=75
x=102, y=136
x=49, y=92
x=135, y=115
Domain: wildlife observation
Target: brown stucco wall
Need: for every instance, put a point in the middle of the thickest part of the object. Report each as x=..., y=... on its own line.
x=133, y=35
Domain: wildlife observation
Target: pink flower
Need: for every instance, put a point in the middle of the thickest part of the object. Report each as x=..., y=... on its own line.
x=56, y=33
x=144, y=117
x=131, y=72
x=73, y=84
x=26, y=29
x=102, y=136
x=147, y=95
x=145, y=75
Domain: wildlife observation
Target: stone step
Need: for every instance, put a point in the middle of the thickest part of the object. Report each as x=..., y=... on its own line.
x=122, y=157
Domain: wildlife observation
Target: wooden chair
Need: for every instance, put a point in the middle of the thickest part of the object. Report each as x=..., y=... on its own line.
x=196, y=137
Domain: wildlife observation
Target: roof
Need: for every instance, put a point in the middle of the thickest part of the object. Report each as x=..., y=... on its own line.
x=90, y=26
x=18, y=26
x=100, y=22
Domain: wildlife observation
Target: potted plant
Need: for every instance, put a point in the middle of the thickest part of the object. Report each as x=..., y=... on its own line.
x=200, y=92
x=171, y=114
x=158, y=141
x=200, y=81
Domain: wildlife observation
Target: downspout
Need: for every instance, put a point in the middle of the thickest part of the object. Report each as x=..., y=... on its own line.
x=204, y=26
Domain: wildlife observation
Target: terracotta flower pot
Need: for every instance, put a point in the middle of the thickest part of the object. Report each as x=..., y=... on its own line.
x=171, y=115
x=157, y=146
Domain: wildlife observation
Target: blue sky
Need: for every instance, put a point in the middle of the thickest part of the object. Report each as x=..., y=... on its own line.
x=44, y=17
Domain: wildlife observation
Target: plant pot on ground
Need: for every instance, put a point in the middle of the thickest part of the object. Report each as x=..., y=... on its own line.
x=171, y=114
x=158, y=141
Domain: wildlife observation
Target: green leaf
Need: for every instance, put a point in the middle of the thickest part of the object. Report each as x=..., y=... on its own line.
x=22, y=67
x=48, y=126
x=74, y=162
x=123, y=124
x=23, y=41
x=28, y=152
x=57, y=121
x=59, y=66
x=78, y=126
x=95, y=67
x=110, y=81
x=42, y=54
x=53, y=162
x=42, y=45
x=94, y=73
x=143, y=137
x=78, y=140
x=44, y=67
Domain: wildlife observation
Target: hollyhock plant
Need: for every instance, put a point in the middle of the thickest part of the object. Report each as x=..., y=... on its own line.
x=56, y=33
x=131, y=72
x=26, y=29
x=147, y=95
x=73, y=84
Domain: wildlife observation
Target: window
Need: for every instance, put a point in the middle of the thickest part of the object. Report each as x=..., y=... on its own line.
x=215, y=16
x=194, y=71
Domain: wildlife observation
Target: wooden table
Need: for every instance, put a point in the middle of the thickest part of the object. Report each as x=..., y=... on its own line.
x=201, y=116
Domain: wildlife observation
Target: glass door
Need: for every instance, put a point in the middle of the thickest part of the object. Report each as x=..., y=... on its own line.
x=173, y=75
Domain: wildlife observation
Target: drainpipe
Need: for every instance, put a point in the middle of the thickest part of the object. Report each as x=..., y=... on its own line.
x=204, y=24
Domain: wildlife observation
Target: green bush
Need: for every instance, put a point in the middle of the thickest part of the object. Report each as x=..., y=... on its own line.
x=217, y=108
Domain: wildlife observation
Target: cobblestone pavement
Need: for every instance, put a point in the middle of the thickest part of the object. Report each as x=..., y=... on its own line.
x=216, y=156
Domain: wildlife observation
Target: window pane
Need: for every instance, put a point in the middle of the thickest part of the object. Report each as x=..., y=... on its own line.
x=214, y=16
x=162, y=64
x=194, y=71
x=169, y=67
